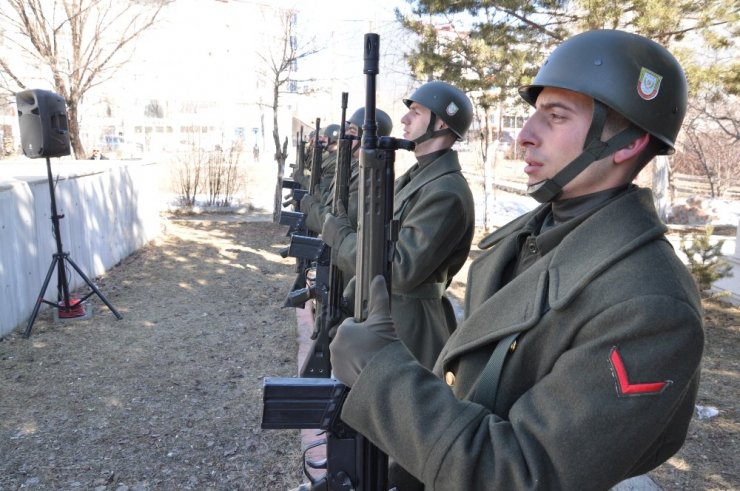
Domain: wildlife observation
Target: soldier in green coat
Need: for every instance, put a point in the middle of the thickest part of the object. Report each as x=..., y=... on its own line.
x=316, y=208
x=577, y=363
x=304, y=176
x=329, y=162
x=436, y=214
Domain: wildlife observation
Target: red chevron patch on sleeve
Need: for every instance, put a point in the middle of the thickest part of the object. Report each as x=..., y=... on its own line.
x=627, y=388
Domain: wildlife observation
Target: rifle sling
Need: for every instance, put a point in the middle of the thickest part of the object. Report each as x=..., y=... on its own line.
x=487, y=387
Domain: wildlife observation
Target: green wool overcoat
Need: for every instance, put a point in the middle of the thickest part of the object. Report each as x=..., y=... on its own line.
x=599, y=386
x=436, y=214
x=328, y=169
x=317, y=213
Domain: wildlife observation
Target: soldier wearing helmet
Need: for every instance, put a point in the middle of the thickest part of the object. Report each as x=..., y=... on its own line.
x=317, y=207
x=576, y=365
x=449, y=112
x=328, y=144
x=436, y=213
x=331, y=133
x=329, y=161
x=355, y=122
x=643, y=96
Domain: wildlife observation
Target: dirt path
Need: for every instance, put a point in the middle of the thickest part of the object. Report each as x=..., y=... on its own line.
x=170, y=396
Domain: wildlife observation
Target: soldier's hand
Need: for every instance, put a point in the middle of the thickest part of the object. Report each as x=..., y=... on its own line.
x=307, y=202
x=336, y=228
x=357, y=342
x=348, y=297
x=346, y=305
x=295, y=175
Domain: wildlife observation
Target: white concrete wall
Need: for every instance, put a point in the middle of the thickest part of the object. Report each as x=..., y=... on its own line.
x=110, y=208
x=730, y=286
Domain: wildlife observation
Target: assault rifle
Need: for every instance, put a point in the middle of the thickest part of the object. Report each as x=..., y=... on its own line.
x=316, y=158
x=300, y=153
x=296, y=221
x=294, y=183
x=329, y=285
x=352, y=462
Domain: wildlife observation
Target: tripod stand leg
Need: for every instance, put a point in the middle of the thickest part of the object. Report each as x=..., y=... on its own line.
x=93, y=287
x=40, y=298
x=59, y=257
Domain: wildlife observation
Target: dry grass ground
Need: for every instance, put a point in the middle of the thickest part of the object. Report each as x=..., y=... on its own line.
x=169, y=397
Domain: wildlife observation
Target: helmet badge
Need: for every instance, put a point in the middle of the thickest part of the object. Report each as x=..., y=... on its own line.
x=649, y=84
x=452, y=109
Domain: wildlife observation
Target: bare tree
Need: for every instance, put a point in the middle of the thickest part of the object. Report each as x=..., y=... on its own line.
x=74, y=44
x=281, y=61
x=710, y=152
x=188, y=172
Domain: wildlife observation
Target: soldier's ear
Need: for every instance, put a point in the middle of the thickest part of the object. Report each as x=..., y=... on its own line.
x=632, y=150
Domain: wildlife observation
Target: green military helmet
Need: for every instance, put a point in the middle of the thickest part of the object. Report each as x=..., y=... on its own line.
x=448, y=103
x=633, y=75
x=331, y=133
x=384, y=122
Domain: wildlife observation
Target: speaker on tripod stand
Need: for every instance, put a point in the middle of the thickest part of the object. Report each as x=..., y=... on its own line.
x=45, y=133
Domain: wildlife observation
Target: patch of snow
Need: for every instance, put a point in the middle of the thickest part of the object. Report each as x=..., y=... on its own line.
x=706, y=412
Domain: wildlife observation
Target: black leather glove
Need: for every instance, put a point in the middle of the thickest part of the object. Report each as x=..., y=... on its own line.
x=357, y=342
x=336, y=228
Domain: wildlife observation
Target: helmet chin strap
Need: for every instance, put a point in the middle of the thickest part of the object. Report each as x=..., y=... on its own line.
x=593, y=150
x=431, y=132
x=357, y=142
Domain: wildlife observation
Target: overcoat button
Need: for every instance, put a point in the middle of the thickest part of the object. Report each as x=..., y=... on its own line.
x=512, y=348
x=450, y=378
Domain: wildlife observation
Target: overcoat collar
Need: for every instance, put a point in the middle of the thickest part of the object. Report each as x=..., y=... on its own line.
x=611, y=233
x=446, y=164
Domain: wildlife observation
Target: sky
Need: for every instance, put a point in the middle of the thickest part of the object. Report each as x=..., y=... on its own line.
x=342, y=27
x=208, y=47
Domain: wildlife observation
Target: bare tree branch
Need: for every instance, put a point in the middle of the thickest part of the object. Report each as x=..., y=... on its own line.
x=79, y=44
x=280, y=62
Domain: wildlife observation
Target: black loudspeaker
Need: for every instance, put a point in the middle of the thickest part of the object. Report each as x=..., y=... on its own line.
x=43, y=123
